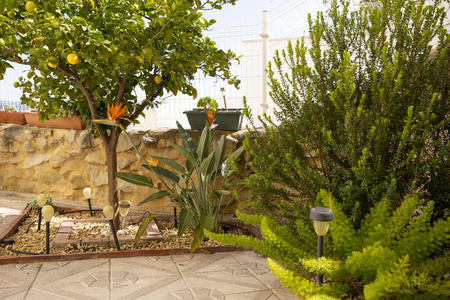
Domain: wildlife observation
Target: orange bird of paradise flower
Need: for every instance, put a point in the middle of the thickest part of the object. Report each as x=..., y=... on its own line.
x=116, y=111
x=152, y=162
x=211, y=113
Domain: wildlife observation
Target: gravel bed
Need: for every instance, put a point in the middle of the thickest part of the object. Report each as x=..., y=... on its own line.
x=34, y=241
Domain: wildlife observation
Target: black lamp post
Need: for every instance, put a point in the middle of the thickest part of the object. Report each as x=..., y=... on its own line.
x=108, y=211
x=41, y=200
x=321, y=217
x=47, y=213
x=87, y=195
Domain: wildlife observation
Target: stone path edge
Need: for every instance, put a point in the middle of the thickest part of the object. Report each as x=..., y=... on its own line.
x=111, y=254
x=12, y=228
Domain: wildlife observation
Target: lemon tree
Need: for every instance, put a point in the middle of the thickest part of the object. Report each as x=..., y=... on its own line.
x=88, y=54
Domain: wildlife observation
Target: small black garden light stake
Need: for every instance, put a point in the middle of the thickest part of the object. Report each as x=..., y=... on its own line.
x=175, y=218
x=41, y=200
x=321, y=217
x=108, y=211
x=47, y=213
x=87, y=195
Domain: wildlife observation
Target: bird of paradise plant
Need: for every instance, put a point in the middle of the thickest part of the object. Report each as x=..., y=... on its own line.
x=198, y=187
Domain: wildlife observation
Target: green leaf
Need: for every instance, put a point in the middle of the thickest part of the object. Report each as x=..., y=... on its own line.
x=220, y=151
x=157, y=195
x=190, y=144
x=203, y=143
x=142, y=228
x=183, y=152
x=106, y=122
x=235, y=183
x=220, y=193
x=169, y=162
x=196, y=238
x=184, y=220
x=135, y=178
x=208, y=164
x=227, y=164
x=163, y=172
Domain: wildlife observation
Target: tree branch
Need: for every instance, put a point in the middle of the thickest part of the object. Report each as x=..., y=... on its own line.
x=122, y=85
x=144, y=104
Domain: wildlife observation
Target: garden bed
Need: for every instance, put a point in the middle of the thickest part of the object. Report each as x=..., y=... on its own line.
x=27, y=239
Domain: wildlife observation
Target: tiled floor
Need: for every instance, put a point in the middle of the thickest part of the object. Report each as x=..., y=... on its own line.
x=230, y=276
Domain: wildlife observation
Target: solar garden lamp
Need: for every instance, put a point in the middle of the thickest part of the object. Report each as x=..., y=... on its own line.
x=222, y=89
x=87, y=195
x=47, y=213
x=41, y=200
x=108, y=211
x=321, y=217
x=124, y=208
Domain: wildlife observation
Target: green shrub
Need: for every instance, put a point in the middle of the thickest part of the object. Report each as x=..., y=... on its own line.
x=367, y=119
x=396, y=254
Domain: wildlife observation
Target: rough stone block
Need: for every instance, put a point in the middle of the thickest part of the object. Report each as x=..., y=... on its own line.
x=97, y=158
x=47, y=176
x=16, y=133
x=97, y=177
x=123, y=162
x=56, y=160
x=28, y=147
x=83, y=140
x=124, y=143
x=41, y=144
x=70, y=136
x=77, y=181
x=128, y=187
x=30, y=134
x=35, y=159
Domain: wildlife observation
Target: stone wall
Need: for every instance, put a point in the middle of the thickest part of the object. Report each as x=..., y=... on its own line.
x=61, y=162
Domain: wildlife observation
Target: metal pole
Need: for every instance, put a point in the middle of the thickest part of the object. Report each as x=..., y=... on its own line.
x=90, y=207
x=265, y=37
x=175, y=217
x=47, y=237
x=319, y=255
x=40, y=219
x=111, y=223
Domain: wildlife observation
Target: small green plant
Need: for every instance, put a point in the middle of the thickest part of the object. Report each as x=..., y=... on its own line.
x=396, y=254
x=8, y=107
x=207, y=103
x=198, y=188
x=34, y=203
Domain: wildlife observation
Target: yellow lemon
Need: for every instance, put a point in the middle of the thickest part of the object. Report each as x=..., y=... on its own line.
x=16, y=84
x=50, y=63
x=30, y=6
x=73, y=58
x=11, y=14
x=158, y=79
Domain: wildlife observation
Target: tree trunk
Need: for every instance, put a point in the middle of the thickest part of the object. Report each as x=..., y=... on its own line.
x=110, y=144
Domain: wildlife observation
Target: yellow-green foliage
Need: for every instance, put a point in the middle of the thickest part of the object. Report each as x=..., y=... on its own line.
x=302, y=287
x=395, y=254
